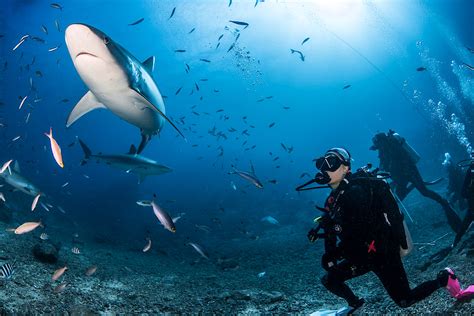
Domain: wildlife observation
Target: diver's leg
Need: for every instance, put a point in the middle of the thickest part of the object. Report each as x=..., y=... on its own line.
x=394, y=279
x=401, y=190
x=464, y=227
x=453, y=219
x=334, y=280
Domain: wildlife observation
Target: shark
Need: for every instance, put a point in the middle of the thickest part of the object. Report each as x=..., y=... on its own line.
x=249, y=176
x=117, y=81
x=13, y=177
x=130, y=162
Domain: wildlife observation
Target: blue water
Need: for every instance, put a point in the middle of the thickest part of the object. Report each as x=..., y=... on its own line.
x=394, y=36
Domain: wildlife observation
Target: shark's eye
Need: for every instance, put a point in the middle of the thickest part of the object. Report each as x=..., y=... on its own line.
x=106, y=40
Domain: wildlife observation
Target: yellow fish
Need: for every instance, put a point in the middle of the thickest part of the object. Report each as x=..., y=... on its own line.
x=55, y=148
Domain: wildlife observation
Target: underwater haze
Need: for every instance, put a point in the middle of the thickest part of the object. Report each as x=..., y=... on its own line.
x=264, y=85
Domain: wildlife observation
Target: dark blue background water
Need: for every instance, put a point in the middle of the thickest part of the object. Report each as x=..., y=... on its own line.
x=321, y=114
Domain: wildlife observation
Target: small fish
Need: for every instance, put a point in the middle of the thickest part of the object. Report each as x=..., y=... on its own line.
x=191, y=30
x=75, y=250
x=55, y=148
x=196, y=85
x=56, y=6
x=273, y=181
x=232, y=184
x=44, y=236
x=270, y=219
x=203, y=228
x=22, y=102
x=249, y=176
x=56, y=22
x=284, y=147
x=220, y=37
x=172, y=13
x=61, y=210
x=65, y=100
x=52, y=49
x=199, y=249
x=231, y=47
x=27, y=227
x=244, y=24
x=44, y=29
x=22, y=40
x=346, y=87
x=148, y=245
x=179, y=50
x=6, y=271
x=44, y=206
x=298, y=52
x=35, y=202
x=137, y=22
x=261, y=274
x=65, y=185
x=61, y=287
x=16, y=138
x=205, y=60
x=38, y=39
x=305, y=40
x=163, y=217
x=178, y=91
x=91, y=270
x=6, y=165
x=271, y=125
x=2, y=197
x=468, y=66
x=230, y=3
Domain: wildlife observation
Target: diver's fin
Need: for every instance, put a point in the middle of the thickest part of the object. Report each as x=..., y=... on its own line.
x=16, y=167
x=157, y=110
x=149, y=64
x=133, y=150
x=144, y=141
x=88, y=103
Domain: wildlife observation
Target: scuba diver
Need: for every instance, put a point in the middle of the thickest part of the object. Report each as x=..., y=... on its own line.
x=455, y=177
x=362, y=214
x=400, y=159
x=468, y=194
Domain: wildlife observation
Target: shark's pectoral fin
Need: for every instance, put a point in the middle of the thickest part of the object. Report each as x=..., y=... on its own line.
x=88, y=103
x=154, y=108
x=149, y=64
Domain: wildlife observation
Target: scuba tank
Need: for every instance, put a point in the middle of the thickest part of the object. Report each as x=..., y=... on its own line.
x=412, y=154
x=405, y=252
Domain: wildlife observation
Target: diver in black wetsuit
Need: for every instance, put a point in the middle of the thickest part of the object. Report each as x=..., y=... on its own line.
x=399, y=159
x=363, y=215
x=468, y=194
x=455, y=177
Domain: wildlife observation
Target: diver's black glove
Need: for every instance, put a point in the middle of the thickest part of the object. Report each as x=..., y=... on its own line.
x=313, y=235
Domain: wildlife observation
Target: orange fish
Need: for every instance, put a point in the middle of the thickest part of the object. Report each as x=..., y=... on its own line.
x=91, y=270
x=27, y=227
x=35, y=201
x=57, y=274
x=148, y=245
x=55, y=148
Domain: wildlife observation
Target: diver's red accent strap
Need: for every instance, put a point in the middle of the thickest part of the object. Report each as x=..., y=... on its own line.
x=372, y=247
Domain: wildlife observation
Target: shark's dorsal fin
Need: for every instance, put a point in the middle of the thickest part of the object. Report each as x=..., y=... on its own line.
x=16, y=167
x=88, y=103
x=149, y=64
x=156, y=109
x=252, y=170
x=133, y=150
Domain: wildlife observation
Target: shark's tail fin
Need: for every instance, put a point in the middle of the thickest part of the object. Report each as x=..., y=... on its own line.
x=86, y=150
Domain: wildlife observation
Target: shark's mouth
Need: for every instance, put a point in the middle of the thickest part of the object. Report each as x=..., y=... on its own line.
x=86, y=53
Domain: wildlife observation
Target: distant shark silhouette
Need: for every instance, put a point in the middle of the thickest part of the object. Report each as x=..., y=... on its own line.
x=19, y=182
x=130, y=162
x=117, y=81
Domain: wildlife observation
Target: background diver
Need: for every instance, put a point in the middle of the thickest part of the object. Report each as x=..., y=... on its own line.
x=400, y=159
x=364, y=231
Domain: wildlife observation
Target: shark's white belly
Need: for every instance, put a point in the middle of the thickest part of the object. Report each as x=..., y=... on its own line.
x=109, y=83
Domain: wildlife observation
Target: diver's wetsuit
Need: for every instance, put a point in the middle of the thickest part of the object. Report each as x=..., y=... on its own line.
x=358, y=215
x=468, y=193
x=395, y=160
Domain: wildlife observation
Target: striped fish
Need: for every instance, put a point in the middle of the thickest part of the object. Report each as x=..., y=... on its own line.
x=6, y=271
